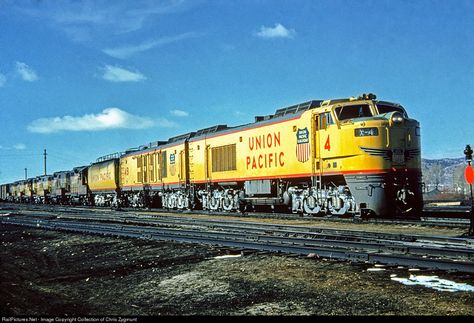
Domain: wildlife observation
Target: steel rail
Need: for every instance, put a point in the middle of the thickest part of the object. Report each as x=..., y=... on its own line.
x=349, y=252
x=287, y=230
x=458, y=220
x=298, y=229
x=394, y=241
x=308, y=240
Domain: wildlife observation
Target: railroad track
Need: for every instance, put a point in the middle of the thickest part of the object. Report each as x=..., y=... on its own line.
x=433, y=216
x=443, y=253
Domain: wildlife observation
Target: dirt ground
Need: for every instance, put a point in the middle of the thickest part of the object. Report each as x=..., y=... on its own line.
x=47, y=273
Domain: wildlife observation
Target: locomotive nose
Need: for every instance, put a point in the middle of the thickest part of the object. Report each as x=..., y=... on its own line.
x=397, y=118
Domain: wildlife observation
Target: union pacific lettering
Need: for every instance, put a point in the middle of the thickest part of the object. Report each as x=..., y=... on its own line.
x=260, y=157
x=101, y=177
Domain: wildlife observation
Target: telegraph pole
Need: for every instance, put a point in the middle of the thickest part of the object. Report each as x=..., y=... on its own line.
x=44, y=161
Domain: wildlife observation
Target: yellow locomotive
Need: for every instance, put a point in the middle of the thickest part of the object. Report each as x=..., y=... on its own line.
x=355, y=155
x=345, y=156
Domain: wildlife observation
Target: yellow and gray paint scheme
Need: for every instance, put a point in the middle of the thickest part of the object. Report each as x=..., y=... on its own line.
x=355, y=156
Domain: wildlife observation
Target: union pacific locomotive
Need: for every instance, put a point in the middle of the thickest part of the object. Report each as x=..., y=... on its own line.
x=357, y=156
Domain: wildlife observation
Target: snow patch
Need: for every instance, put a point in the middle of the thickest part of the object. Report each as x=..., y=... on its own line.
x=434, y=282
x=375, y=269
x=227, y=256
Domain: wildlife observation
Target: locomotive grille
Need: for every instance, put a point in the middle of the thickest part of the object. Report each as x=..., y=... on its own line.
x=224, y=158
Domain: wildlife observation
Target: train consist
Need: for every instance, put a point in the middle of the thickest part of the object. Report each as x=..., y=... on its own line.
x=357, y=156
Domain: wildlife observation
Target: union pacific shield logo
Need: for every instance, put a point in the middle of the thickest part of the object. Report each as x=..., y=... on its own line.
x=302, y=145
x=172, y=164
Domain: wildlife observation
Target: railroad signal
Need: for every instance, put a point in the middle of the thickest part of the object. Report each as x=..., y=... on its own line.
x=468, y=153
x=469, y=174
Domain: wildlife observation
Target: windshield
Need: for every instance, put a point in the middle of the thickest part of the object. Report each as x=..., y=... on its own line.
x=389, y=108
x=353, y=111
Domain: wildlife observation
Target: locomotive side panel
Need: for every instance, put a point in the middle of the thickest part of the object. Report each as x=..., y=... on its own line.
x=128, y=173
x=139, y=177
x=155, y=177
x=173, y=165
x=29, y=192
x=158, y=168
x=103, y=176
x=42, y=186
x=61, y=185
x=14, y=191
x=174, y=173
x=268, y=151
x=79, y=193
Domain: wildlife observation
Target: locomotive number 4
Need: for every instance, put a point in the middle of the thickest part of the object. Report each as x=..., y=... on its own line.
x=327, y=145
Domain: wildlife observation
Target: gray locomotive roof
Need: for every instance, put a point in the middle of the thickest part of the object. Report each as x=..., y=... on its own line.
x=78, y=168
x=281, y=114
x=62, y=171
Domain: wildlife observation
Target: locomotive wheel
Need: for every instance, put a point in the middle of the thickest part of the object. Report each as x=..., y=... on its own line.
x=404, y=201
x=227, y=203
x=342, y=210
x=311, y=205
x=214, y=203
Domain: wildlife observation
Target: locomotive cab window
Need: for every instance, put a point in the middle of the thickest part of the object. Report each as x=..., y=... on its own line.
x=325, y=119
x=389, y=108
x=353, y=111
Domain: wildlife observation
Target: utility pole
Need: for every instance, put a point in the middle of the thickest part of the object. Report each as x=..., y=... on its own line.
x=26, y=173
x=44, y=161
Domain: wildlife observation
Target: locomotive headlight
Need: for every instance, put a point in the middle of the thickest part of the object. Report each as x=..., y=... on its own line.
x=364, y=132
x=397, y=118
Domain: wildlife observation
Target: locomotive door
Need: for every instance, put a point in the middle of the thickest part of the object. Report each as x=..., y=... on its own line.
x=182, y=168
x=207, y=163
x=322, y=141
x=316, y=145
x=317, y=162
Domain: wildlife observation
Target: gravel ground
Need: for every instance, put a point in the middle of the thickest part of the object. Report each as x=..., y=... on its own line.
x=58, y=274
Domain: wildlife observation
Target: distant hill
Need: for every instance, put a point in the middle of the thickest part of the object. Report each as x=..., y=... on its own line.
x=446, y=175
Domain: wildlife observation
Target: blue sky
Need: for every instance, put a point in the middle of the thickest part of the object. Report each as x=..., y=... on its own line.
x=84, y=79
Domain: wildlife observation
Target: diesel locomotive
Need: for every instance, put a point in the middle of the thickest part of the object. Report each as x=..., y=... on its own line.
x=358, y=156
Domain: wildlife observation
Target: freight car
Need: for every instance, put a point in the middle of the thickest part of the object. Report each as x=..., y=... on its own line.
x=344, y=156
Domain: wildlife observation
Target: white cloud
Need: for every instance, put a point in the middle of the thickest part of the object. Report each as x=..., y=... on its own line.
x=19, y=146
x=88, y=20
x=110, y=118
x=3, y=80
x=119, y=74
x=26, y=72
x=179, y=113
x=165, y=123
x=128, y=51
x=279, y=31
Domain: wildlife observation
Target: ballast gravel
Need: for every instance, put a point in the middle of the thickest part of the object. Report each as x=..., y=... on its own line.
x=52, y=273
